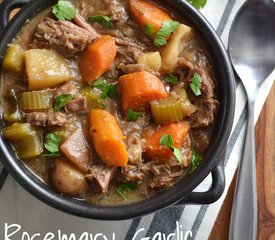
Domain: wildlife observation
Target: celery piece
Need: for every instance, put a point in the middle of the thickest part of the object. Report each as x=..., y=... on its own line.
x=14, y=59
x=166, y=110
x=93, y=98
x=36, y=100
x=187, y=107
x=13, y=113
x=26, y=139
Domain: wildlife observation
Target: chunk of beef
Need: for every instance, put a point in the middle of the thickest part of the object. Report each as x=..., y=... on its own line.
x=164, y=175
x=63, y=36
x=80, y=21
x=117, y=11
x=50, y=118
x=137, y=67
x=137, y=126
x=85, y=10
x=131, y=173
x=101, y=176
x=201, y=139
x=77, y=105
x=77, y=150
x=134, y=149
x=129, y=54
x=205, y=114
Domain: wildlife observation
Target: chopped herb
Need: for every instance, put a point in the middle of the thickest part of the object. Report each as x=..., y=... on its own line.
x=99, y=83
x=105, y=21
x=61, y=101
x=132, y=115
x=171, y=79
x=64, y=10
x=196, y=159
x=109, y=90
x=121, y=189
x=198, y=4
x=167, y=140
x=149, y=29
x=167, y=28
x=52, y=145
x=196, y=84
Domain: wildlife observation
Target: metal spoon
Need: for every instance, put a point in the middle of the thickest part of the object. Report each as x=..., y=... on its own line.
x=252, y=52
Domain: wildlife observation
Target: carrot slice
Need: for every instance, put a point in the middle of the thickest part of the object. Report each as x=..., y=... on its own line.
x=107, y=138
x=153, y=150
x=146, y=12
x=98, y=58
x=138, y=89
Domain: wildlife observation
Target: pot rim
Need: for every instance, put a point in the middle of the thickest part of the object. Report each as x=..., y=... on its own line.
x=178, y=191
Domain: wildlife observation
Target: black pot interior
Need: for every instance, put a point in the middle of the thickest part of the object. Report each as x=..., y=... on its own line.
x=225, y=94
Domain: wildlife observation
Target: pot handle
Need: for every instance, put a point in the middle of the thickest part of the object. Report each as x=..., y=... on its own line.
x=5, y=9
x=214, y=193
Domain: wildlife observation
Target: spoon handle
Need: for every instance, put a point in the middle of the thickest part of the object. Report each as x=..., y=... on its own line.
x=243, y=223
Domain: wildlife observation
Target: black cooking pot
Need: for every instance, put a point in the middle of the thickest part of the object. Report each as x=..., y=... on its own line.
x=180, y=193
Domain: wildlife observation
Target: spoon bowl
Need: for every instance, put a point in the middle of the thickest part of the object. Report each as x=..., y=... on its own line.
x=252, y=52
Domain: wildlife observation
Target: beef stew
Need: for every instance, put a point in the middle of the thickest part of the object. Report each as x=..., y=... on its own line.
x=97, y=107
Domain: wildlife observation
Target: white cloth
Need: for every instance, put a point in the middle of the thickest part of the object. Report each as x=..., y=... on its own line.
x=20, y=208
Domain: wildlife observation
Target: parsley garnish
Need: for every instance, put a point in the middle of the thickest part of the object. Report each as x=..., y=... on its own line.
x=99, y=83
x=167, y=28
x=197, y=3
x=149, y=29
x=171, y=79
x=196, y=84
x=132, y=115
x=121, y=189
x=61, y=101
x=105, y=21
x=52, y=145
x=108, y=90
x=196, y=159
x=167, y=140
x=64, y=10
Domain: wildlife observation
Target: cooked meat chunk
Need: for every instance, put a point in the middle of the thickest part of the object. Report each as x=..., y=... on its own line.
x=85, y=10
x=201, y=140
x=205, y=114
x=101, y=175
x=116, y=11
x=134, y=149
x=130, y=53
x=164, y=174
x=80, y=21
x=131, y=173
x=77, y=150
x=50, y=118
x=63, y=36
x=77, y=105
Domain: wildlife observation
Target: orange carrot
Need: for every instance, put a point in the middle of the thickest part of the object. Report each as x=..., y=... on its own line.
x=107, y=138
x=146, y=12
x=138, y=89
x=156, y=152
x=98, y=58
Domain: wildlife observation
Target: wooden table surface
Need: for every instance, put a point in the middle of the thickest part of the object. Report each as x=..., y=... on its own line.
x=265, y=154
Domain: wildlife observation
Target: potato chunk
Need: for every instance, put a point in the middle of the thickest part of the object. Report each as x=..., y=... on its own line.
x=45, y=69
x=175, y=46
x=151, y=59
x=13, y=60
x=67, y=179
